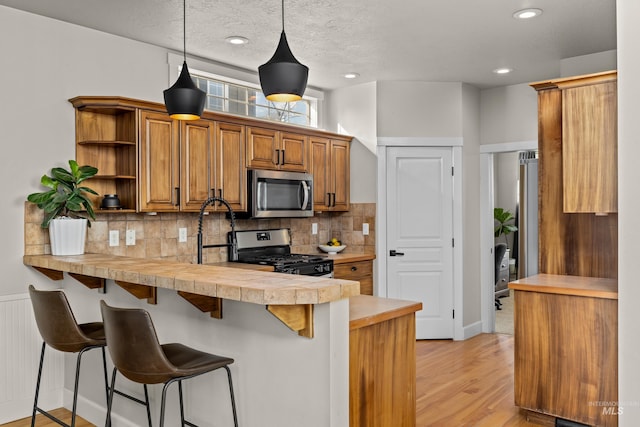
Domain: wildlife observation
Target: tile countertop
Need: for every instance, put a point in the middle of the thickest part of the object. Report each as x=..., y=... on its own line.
x=252, y=286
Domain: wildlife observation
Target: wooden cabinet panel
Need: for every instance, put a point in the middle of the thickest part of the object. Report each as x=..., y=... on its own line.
x=320, y=169
x=275, y=150
x=261, y=148
x=340, y=175
x=294, y=152
x=196, y=160
x=159, y=162
x=589, y=149
x=361, y=271
x=565, y=356
x=330, y=168
x=230, y=170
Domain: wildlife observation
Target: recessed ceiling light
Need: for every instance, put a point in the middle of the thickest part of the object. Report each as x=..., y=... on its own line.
x=527, y=13
x=503, y=70
x=237, y=40
x=351, y=75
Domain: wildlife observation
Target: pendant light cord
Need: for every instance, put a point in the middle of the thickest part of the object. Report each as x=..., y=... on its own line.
x=184, y=29
x=283, y=16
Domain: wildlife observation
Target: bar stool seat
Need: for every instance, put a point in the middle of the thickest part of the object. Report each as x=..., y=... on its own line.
x=59, y=329
x=137, y=354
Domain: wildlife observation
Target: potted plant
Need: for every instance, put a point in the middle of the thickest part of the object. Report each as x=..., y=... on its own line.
x=66, y=207
x=503, y=217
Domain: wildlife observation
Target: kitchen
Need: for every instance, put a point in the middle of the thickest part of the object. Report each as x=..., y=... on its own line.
x=102, y=72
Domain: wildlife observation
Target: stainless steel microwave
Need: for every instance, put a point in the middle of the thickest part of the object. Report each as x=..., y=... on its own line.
x=279, y=194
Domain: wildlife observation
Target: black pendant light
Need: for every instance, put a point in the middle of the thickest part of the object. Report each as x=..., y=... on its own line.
x=283, y=78
x=184, y=101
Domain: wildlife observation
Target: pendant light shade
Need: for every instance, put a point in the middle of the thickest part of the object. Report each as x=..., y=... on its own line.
x=283, y=78
x=184, y=101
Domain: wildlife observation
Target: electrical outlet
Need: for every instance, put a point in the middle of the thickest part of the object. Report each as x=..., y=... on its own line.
x=114, y=238
x=182, y=234
x=365, y=228
x=314, y=228
x=131, y=237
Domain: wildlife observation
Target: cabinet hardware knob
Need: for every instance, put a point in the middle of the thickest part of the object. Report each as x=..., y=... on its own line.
x=177, y=196
x=283, y=162
x=277, y=157
x=354, y=268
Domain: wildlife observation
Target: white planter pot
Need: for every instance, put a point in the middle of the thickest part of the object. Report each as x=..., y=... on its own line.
x=67, y=236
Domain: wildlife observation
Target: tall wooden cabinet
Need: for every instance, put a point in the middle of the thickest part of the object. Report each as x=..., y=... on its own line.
x=331, y=171
x=576, y=131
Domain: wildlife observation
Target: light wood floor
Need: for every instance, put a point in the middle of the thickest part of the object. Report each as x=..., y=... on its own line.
x=459, y=384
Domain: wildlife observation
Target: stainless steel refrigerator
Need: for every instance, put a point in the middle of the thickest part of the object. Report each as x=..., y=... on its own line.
x=527, y=264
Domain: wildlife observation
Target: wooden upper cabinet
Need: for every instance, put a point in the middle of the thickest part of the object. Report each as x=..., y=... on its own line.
x=330, y=167
x=589, y=148
x=275, y=150
x=197, y=179
x=230, y=170
x=159, y=162
x=106, y=138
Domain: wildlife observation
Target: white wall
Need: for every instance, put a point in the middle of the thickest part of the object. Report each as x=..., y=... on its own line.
x=629, y=211
x=508, y=114
x=352, y=111
x=587, y=64
x=419, y=109
x=471, y=206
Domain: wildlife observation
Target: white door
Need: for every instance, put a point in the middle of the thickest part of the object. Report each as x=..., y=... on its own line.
x=420, y=235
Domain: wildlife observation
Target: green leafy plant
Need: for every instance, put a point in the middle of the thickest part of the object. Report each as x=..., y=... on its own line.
x=503, y=218
x=65, y=197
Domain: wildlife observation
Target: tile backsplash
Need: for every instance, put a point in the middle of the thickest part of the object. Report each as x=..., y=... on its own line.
x=157, y=235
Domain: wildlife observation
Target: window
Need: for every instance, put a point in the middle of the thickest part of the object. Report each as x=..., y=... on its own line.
x=245, y=100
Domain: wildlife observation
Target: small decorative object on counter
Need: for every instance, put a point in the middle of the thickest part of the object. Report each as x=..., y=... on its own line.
x=66, y=207
x=110, y=201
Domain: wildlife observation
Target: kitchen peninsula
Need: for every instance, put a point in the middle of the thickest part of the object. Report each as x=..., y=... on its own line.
x=280, y=378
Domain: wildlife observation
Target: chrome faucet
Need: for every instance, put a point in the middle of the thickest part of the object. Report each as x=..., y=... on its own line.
x=233, y=244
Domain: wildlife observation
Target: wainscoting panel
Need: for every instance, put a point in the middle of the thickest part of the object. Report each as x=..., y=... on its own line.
x=20, y=346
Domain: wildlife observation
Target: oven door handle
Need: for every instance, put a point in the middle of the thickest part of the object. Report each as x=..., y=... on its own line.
x=305, y=192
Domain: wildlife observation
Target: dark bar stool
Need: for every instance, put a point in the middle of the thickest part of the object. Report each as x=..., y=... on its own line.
x=139, y=356
x=59, y=330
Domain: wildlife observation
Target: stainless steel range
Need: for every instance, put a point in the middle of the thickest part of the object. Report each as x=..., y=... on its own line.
x=273, y=247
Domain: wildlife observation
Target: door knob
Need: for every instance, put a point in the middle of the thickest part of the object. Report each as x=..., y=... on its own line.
x=393, y=252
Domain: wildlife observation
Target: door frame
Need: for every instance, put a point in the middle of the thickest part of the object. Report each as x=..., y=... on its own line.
x=455, y=143
x=487, y=271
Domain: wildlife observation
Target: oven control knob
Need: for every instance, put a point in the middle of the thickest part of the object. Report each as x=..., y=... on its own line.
x=318, y=268
x=327, y=268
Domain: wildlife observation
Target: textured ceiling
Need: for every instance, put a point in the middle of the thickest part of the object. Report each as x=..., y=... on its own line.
x=427, y=40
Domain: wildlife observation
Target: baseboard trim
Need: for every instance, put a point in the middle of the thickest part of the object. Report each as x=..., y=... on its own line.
x=472, y=330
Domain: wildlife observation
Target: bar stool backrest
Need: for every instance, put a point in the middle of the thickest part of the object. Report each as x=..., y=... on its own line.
x=133, y=344
x=55, y=320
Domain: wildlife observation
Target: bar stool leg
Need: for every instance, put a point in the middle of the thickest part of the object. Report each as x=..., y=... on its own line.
x=106, y=378
x=181, y=404
x=35, y=402
x=107, y=422
x=75, y=386
x=233, y=400
x=164, y=399
x=146, y=399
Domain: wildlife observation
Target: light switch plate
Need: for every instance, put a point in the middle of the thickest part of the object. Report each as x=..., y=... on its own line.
x=182, y=234
x=131, y=237
x=365, y=228
x=314, y=228
x=114, y=238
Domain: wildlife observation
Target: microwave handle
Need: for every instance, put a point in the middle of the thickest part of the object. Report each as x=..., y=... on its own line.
x=261, y=199
x=305, y=191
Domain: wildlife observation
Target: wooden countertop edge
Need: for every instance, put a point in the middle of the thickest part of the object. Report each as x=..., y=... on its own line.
x=347, y=258
x=366, y=310
x=594, y=287
x=256, y=287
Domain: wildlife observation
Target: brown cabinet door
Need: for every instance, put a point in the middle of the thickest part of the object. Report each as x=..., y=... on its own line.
x=230, y=170
x=261, y=148
x=320, y=169
x=361, y=271
x=589, y=148
x=196, y=163
x=159, y=158
x=293, y=152
x=340, y=175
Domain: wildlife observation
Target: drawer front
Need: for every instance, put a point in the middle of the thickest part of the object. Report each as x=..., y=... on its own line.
x=353, y=270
